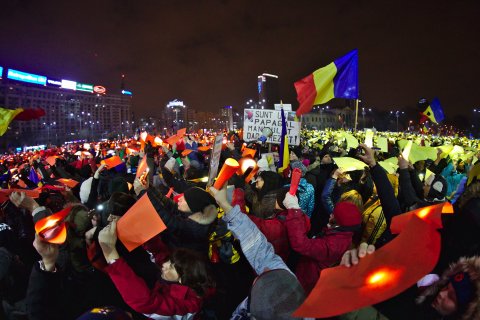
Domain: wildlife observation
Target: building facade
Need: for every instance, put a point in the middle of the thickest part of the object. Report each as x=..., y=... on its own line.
x=321, y=118
x=75, y=113
x=226, y=116
x=176, y=115
x=268, y=91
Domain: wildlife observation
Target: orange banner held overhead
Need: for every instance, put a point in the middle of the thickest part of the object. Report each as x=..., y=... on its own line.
x=112, y=162
x=378, y=276
x=139, y=224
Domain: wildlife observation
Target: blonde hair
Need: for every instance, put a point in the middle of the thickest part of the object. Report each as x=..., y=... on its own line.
x=354, y=197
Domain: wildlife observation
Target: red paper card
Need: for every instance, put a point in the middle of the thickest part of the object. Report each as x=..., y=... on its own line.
x=378, y=277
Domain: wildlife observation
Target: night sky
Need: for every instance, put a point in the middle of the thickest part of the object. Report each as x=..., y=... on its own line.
x=209, y=53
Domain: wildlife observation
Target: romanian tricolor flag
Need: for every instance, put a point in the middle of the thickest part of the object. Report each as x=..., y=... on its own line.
x=339, y=79
x=284, y=152
x=434, y=112
x=6, y=116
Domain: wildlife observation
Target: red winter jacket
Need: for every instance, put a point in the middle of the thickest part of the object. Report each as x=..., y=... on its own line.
x=317, y=254
x=164, y=301
x=273, y=228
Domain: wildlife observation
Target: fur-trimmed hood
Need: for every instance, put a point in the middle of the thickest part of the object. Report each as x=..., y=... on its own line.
x=468, y=265
x=206, y=217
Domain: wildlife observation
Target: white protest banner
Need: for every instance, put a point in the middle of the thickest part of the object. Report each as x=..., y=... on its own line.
x=215, y=159
x=255, y=120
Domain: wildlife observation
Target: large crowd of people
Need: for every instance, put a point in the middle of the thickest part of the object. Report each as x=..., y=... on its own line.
x=248, y=250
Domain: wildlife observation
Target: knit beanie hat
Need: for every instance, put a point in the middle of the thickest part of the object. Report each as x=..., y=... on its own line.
x=346, y=214
x=276, y=294
x=263, y=165
x=464, y=288
x=299, y=165
x=105, y=313
x=197, y=199
x=118, y=184
x=85, y=171
x=117, y=205
x=271, y=181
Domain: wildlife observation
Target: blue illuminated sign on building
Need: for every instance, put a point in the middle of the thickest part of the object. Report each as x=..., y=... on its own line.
x=1, y=72
x=26, y=77
x=128, y=93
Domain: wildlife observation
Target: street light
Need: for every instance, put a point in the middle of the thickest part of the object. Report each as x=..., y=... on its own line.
x=397, y=114
x=48, y=126
x=364, y=111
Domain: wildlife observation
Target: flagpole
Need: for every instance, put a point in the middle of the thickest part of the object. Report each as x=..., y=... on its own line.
x=356, y=114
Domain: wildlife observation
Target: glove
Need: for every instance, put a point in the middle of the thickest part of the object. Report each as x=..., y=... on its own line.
x=138, y=186
x=291, y=202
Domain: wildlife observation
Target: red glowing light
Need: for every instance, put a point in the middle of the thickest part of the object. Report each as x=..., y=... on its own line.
x=382, y=277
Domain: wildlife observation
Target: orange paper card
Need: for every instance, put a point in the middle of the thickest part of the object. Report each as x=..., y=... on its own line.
x=186, y=152
x=52, y=228
x=68, y=182
x=4, y=193
x=142, y=166
x=51, y=160
x=112, y=162
x=139, y=224
x=181, y=132
x=203, y=148
x=378, y=277
x=247, y=152
x=173, y=140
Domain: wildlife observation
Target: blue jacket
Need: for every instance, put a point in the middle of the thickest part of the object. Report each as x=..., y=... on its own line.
x=306, y=196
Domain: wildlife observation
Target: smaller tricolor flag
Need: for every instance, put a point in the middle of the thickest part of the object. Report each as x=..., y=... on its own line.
x=434, y=112
x=339, y=79
x=284, y=152
x=33, y=176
